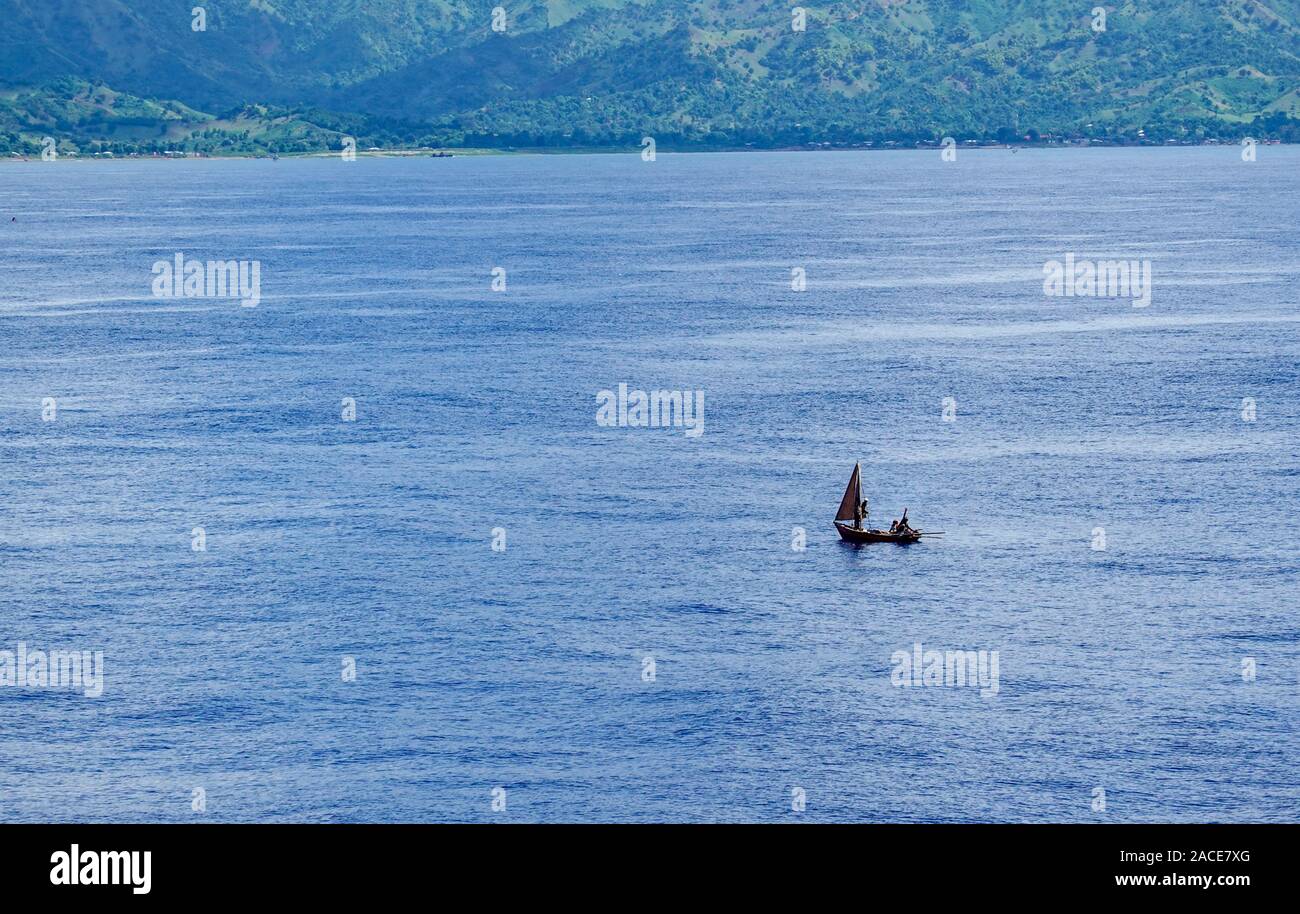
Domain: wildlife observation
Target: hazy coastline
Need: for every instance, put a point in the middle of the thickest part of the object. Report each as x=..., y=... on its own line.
x=608, y=150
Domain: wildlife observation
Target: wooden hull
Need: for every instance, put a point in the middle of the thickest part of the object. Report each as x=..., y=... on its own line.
x=850, y=534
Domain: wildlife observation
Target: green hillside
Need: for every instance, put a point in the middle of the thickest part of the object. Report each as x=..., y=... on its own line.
x=293, y=75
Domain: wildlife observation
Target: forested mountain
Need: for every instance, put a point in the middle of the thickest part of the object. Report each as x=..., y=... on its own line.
x=292, y=75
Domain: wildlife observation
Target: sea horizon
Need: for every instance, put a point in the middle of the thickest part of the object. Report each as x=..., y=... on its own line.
x=473, y=152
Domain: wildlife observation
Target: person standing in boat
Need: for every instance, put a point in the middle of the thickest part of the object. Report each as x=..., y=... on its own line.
x=860, y=513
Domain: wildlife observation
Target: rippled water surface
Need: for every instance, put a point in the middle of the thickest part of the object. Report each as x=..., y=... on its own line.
x=1119, y=668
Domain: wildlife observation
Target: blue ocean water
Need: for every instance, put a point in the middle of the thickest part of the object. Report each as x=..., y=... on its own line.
x=638, y=550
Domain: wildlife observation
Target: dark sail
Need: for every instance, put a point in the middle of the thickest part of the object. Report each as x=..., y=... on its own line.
x=852, y=496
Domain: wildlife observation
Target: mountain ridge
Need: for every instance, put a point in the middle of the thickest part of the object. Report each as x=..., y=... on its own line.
x=695, y=73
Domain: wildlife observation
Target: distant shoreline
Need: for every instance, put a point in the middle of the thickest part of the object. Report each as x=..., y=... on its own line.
x=609, y=150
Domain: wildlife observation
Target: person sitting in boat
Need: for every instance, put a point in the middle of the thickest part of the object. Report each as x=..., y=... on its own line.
x=893, y=526
x=903, y=525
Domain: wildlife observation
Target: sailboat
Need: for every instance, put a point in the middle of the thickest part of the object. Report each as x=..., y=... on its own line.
x=846, y=520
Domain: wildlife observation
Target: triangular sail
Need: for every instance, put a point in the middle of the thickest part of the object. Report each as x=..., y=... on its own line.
x=852, y=496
